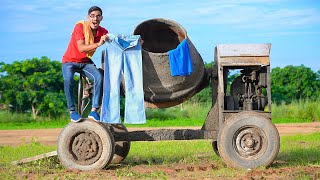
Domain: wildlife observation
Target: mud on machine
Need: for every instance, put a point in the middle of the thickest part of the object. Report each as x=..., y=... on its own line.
x=239, y=122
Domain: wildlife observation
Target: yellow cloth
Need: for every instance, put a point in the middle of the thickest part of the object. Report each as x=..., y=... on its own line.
x=88, y=36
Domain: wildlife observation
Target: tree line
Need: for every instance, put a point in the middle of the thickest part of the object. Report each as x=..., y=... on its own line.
x=36, y=86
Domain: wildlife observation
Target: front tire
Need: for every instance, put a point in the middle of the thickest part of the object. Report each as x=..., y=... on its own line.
x=86, y=145
x=248, y=140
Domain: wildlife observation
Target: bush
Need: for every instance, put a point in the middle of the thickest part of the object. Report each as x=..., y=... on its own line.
x=186, y=110
x=298, y=109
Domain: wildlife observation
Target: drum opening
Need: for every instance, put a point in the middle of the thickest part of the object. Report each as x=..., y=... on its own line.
x=160, y=35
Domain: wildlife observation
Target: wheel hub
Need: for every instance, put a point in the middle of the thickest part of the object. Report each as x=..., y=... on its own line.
x=249, y=142
x=86, y=147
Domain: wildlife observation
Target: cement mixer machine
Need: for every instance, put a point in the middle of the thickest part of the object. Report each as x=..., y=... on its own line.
x=239, y=122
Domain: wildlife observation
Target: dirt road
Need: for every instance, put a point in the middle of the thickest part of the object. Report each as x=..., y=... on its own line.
x=49, y=136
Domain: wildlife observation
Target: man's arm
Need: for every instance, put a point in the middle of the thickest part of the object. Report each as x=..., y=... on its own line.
x=82, y=47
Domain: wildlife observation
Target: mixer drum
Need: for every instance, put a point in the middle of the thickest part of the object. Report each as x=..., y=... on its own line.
x=160, y=88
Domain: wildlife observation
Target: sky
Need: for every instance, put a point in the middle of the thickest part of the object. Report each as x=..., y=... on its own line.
x=36, y=28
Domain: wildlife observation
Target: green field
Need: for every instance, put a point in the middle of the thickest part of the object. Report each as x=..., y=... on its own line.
x=298, y=152
x=299, y=156
x=186, y=114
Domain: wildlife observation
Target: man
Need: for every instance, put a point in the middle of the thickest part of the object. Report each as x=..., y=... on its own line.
x=85, y=39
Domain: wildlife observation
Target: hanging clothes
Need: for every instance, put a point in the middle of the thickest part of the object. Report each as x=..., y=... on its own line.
x=123, y=57
x=180, y=60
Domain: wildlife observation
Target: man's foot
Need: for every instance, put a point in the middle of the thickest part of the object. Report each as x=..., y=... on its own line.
x=75, y=116
x=94, y=115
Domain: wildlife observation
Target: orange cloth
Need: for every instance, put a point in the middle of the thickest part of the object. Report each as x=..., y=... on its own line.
x=88, y=36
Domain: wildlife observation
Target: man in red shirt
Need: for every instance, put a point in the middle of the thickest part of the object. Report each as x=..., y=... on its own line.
x=85, y=39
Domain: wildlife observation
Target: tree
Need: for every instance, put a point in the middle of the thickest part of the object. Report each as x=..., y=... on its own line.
x=205, y=95
x=294, y=82
x=34, y=85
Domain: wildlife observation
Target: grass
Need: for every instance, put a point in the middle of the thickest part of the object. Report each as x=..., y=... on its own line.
x=63, y=123
x=40, y=167
x=24, y=121
x=288, y=120
x=186, y=114
x=167, y=152
x=155, y=158
x=300, y=150
x=305, y=110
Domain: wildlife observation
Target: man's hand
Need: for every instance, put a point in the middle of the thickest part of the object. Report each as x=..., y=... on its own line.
x=103, y=39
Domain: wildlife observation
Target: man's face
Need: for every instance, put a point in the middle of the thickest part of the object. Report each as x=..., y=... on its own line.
x=94, y=18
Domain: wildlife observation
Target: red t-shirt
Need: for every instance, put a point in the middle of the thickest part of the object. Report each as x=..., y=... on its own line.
x=72, y=53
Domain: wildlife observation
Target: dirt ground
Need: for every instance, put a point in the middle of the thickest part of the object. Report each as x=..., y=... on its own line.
x=49, y=136
x=202, y=170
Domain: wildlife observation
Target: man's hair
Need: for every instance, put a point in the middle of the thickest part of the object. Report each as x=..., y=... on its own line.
x=94, y=8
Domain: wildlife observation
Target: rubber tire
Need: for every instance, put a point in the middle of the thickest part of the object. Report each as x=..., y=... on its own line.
x=215, y=148
x=67, y=135
x=227, y=135
x=122, y=148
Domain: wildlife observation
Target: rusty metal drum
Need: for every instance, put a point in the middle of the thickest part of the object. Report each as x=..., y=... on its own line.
x=160, y=88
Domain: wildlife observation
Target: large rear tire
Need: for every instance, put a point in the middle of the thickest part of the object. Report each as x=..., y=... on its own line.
x=248, y=140
x=86, y=145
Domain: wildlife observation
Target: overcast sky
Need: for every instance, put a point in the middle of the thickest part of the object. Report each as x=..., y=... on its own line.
x=36, y=28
